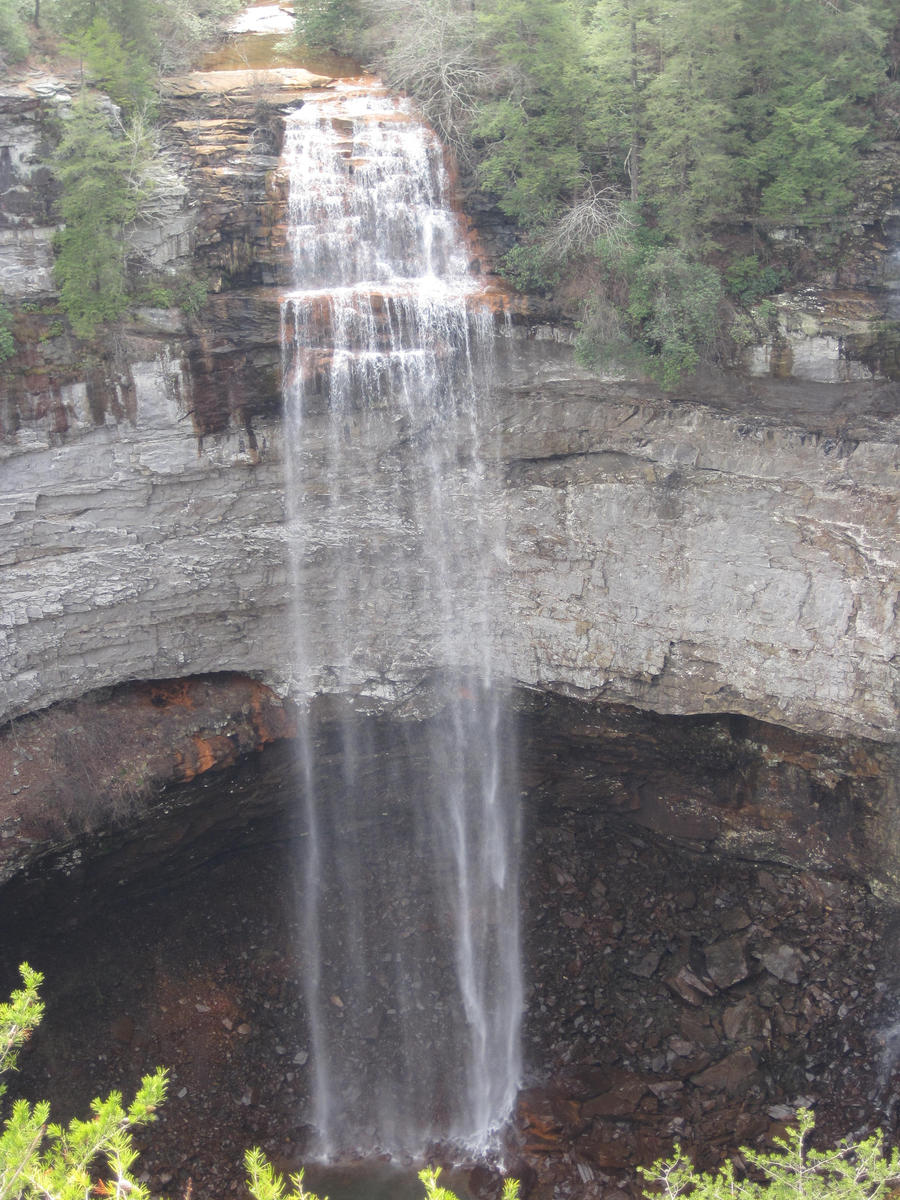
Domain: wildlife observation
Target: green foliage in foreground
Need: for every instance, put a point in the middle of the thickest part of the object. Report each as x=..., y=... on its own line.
x=43, y=1161
x=855, y=1171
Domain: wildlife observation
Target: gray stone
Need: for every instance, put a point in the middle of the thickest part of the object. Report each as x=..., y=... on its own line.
x=745, y=1021
x=686, y=984
x=726, y=962
x=731, y=1074
x=645, y=966
x=784, y=962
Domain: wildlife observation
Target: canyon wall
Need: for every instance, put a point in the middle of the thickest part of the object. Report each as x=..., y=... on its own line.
x=728, y=549
x=662, y=552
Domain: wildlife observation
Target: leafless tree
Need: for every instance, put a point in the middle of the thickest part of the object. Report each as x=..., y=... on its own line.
x=433, y=57
x=596, y=213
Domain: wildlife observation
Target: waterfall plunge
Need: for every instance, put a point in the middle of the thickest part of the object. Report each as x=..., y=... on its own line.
x=410, y=912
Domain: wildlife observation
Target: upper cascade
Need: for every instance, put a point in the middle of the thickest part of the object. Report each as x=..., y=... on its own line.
x=372, y=211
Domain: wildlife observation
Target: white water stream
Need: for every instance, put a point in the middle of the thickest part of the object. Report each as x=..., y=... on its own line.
x=410, y=913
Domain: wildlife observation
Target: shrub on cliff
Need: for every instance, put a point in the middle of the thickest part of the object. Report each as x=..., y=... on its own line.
x=665, y=315
x=852, y=1171
x=103, y=178
x=7, y=341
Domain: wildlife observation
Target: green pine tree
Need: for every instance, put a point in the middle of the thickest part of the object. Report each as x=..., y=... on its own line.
x=40, y=1160
x=793, y=1171
x=13, y=32
x=539, y=135
x=102, y=189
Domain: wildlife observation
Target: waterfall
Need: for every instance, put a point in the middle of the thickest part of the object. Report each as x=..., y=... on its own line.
x=409, y=905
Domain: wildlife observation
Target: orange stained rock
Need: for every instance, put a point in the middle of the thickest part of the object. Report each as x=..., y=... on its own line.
x=215, y=751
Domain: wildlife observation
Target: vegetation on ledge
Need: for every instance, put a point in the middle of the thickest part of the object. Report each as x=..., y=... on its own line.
x=108, y=164
x=645, y=150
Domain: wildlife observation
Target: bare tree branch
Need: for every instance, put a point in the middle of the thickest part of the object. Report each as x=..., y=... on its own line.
x=434, y=58
x=597, y=213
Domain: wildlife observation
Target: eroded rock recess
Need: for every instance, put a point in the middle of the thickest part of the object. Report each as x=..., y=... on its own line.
x=693, y=596
x=707, y=942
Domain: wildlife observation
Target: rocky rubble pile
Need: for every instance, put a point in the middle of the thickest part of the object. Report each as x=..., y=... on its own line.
x=677, y=996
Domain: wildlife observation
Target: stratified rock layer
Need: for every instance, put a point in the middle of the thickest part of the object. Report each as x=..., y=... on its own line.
x=674, y=555
x=731, y=550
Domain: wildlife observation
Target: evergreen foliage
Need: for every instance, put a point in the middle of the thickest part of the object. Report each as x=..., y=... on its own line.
x=103, y=184
x=266, y=1183
x=732, y=109
x=329, y=25
x=40, y=1160
x=660, y=312
x=795, y=1171
x=13, y=32
x=748, y=280
x=107, y=162
x=537, y=135
x=19, y=1017
x=158, y=35
x=7, y=350
x=434, y=1191
x=115, y=65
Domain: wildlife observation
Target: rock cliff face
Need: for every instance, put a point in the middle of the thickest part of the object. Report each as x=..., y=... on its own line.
x=731, y=550
x=695, y=597
x=668, y=553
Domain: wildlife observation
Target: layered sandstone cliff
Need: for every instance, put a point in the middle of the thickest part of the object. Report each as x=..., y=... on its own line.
x=728, y=549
